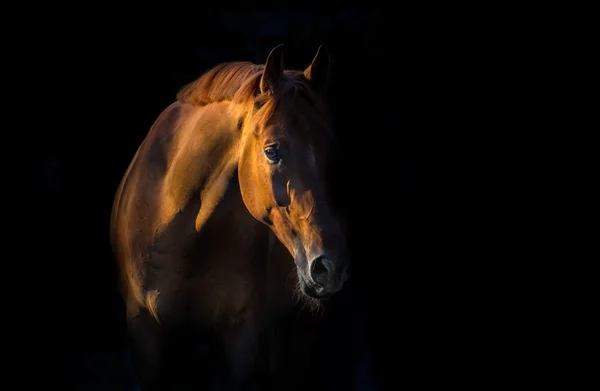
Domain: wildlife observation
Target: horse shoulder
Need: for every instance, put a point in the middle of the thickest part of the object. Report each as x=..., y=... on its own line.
x=132, y=217
x=188, y=150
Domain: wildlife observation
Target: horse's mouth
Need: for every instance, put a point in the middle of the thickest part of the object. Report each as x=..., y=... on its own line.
x=313, y=290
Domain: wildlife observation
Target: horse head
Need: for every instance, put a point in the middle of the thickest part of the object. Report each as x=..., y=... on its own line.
x=283, y=160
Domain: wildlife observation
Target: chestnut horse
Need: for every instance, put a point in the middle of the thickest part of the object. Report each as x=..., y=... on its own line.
x=223, y=229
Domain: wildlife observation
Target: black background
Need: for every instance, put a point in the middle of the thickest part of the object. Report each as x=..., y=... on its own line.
x=418, y=102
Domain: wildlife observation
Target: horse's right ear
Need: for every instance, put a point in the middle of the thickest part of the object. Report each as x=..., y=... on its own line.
x=273, y=69
x=318, y=70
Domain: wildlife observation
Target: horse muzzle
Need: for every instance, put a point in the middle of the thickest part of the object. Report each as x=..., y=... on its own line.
x=324, y=278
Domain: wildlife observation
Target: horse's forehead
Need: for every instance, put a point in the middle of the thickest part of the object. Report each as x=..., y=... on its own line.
x=297, y=125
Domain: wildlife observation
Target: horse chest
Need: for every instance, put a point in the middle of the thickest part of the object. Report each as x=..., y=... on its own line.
x=227, y=276
x=220, y=274
x=239, y=286
x=223, y=296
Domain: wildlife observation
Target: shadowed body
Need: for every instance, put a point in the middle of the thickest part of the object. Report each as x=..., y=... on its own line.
x=223, y=232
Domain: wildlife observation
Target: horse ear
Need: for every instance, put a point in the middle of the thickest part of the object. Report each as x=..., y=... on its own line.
x=318, y=70
x=273, y=69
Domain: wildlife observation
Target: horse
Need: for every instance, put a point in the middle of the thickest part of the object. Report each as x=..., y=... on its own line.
x=226, y=239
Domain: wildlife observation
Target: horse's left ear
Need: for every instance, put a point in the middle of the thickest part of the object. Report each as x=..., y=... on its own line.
x=273, y=70
x=318, y=70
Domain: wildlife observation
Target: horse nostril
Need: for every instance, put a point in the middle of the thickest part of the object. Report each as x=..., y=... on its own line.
x=320, y=270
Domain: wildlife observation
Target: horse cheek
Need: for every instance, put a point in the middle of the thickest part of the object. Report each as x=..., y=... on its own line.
x=250, y=186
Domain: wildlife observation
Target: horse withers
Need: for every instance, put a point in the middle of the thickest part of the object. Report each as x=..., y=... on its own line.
x=224, y=231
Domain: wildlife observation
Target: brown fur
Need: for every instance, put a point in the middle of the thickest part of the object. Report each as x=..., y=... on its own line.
x=238, y=82
x=223, y=82
x=197, y=214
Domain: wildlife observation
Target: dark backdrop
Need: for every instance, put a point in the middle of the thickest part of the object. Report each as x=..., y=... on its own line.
x=412, y=105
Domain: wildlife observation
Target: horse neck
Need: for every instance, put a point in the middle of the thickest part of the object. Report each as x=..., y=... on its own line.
x=203, y=151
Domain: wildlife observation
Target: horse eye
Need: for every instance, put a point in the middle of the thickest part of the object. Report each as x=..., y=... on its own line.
x=272, y=153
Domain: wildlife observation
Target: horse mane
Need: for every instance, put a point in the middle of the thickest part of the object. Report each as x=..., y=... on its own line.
x=239, y=82
x=220, y=83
